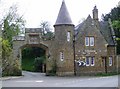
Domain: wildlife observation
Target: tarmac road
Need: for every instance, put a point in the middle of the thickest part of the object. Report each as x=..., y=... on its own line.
x=31, y=79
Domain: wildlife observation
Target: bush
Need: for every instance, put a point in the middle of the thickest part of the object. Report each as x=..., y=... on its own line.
x=12, y=70
x=52, y=72
x=39, y=63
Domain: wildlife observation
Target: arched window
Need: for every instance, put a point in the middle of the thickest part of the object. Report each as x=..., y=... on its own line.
x=68, y=36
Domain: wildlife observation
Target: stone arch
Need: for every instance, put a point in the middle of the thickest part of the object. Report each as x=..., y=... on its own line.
x=18, y=46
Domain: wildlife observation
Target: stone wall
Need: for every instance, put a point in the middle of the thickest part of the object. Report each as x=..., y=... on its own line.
x=32, y=38
x=65, y=67
x=100, y=51
x=118, y=64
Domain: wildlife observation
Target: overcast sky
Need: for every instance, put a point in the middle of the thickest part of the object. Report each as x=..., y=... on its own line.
x=34, y=11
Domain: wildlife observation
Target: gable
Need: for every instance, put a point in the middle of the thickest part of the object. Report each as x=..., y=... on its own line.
x=91, y=28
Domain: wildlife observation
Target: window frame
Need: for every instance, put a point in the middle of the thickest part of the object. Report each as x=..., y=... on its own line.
x=87, y=60
x=68, y=36
x=61, y=56
x=92, y=57
x=87, y=39
x=92, y=41
x=110, y=60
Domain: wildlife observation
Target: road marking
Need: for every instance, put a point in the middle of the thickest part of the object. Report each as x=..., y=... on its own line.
x=38, y=81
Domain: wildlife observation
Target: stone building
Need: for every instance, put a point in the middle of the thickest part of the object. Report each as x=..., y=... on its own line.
x=86, y=49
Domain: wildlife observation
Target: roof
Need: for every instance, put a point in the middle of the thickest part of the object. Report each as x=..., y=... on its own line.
x=104, y=28
x=63, y=16
x=106, y=32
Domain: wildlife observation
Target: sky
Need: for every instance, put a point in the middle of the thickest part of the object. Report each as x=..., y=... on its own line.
x=35, y=11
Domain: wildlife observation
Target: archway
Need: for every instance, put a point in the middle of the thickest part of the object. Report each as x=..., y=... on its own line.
x=35, y=60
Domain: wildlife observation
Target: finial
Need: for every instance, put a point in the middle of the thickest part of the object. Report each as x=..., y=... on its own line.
x=95, y=7
x=63, y=1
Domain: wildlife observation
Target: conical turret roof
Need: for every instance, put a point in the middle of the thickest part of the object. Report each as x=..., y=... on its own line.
x=63, y=16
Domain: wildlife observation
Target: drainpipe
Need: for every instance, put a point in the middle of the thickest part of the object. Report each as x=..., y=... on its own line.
x=105, y=65
x=74, y=55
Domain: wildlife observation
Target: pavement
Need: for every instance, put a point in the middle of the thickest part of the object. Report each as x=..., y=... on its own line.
x=10, y=77
x=31, y=79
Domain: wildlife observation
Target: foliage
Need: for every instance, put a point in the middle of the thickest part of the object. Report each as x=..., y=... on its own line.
x=12, y=70
x=39, y=63
x=44, y=25
x=28, y=64
x=12, y=24
x=48, y=36
x=52, y=72
x=6, y=49
x=0, y=52
x=33, y=52
x=107, y=74
x=29, y=54
x=115, y=18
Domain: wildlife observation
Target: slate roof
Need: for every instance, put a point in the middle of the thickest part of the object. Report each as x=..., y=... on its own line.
x=106, y=32
x=63, y=16
x=104, y=28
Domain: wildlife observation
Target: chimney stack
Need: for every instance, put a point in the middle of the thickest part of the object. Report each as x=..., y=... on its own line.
x=95, y=13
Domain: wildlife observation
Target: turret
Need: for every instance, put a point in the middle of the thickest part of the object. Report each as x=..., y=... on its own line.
x=64, y=30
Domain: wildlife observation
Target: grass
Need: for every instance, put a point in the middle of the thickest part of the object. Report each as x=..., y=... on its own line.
x=28, y=64
x=107, y=74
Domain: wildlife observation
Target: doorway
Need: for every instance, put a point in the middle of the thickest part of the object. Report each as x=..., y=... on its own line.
x=33, y=59
x=104, y=63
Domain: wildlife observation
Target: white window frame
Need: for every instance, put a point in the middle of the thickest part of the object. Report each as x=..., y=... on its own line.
x=88, y=58
x=92, y=41
x=87, y=41
x=93, y=61
x=61, y=56
x=68, y=36
x=110, y=60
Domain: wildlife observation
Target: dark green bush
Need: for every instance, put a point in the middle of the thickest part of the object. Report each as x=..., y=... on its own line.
x=39, y=63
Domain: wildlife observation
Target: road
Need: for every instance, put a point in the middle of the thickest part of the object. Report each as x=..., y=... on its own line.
x=31, y=79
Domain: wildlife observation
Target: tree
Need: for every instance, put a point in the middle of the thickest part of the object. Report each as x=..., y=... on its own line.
x=6, y=51
x=12, y=24
x=46, y=30
x=115, y=18
x=44, y=25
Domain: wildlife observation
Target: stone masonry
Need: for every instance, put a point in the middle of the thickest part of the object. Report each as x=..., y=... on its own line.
x=86, y=49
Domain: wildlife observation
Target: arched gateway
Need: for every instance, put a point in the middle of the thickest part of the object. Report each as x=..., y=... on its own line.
x=33, y=38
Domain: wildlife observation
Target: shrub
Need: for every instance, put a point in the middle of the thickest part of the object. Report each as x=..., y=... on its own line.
x=52, y=72
x=39, y=63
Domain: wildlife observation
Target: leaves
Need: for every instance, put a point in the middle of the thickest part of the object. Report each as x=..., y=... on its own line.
x=13, y=24
x=115, y=18
x=44, y=25
x=116, y=24
x=6, y=49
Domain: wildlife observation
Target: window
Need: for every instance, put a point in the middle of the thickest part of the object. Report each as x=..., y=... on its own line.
x=86, y=41
x=87, y=61
x=61, y=56
x=91, y=41
x=92, y=61
x=68, y=36
x=110, y=61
